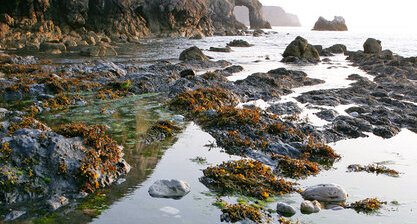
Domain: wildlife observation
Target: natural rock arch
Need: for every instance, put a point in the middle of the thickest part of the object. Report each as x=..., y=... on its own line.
x=256, y=19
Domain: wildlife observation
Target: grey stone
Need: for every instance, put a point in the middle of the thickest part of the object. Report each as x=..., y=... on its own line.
x=169, y=189
x=325, y=193
x=285, y=209
x=309, y=207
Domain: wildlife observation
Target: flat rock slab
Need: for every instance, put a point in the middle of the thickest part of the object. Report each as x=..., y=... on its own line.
x=169, y=189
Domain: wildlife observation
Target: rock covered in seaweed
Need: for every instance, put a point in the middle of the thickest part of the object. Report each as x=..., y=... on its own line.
x=39, y=164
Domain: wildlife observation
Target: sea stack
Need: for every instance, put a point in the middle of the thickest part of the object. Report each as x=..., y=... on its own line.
x=337, y=24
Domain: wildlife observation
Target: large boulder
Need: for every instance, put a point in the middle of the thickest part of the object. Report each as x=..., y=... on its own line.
x=169, y=189
x=193, y=54
x=372, y=46
x=328, y=193
x=302, y=50
x=337, y=24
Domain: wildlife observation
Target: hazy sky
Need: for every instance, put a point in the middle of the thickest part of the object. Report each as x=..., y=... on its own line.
x=359, y=14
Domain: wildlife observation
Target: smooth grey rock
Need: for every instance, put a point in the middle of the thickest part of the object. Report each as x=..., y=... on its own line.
x=325, y=193
x=354, y=114
x=309, y=207
x=285, y=209
x=169, y=189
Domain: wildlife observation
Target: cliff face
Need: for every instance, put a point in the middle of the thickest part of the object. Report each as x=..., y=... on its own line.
x=275, y=15
x=337, y=24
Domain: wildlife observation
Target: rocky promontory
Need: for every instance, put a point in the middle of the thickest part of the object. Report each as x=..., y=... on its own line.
x=93, y=26
x=337, y=24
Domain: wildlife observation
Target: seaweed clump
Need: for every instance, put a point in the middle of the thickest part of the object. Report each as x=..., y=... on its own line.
x=374, y=168
x=27, y=122
x=239, y=212
x=203, y=99
x=295, y=168
x=368, y=205
x=232, y=117
x=246, y=177
x=319, y=152
x=103, y=154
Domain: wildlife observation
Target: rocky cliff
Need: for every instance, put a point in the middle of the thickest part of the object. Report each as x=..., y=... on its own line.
x=275, y=15
x=28, y=23
x=337, y=24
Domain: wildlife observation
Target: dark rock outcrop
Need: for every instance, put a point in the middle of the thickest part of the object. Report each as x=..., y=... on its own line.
x=300, y=50
x=337, y=24
x=275, y=15
x=193, y=53
x=372, y=46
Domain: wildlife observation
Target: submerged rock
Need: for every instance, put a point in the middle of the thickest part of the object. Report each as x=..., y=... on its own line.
x=169, y=189
x=285, y=209
x=300, y=49
x=239, y=43
x=329, y=193
x=337, y=24
x=226, y=49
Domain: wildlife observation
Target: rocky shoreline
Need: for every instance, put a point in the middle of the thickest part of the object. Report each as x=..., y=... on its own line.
x=382, y=106
x=94, y=28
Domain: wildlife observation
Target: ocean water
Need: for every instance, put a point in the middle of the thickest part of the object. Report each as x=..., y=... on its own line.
x=399, y=152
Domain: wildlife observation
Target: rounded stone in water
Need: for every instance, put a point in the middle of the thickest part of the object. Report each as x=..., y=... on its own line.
x=309, y=207
x=330, y=193
x=285, y=209
x=169, y=189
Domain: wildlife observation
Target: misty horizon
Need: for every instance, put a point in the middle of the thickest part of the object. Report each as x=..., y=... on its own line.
x=358, y=15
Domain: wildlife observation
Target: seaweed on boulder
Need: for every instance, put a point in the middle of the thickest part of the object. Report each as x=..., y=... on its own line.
x=203, y=99
x=295, y=168
x=103, y=155
x=246, y=177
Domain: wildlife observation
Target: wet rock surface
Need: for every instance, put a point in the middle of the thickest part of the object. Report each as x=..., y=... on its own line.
x=385, y=104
